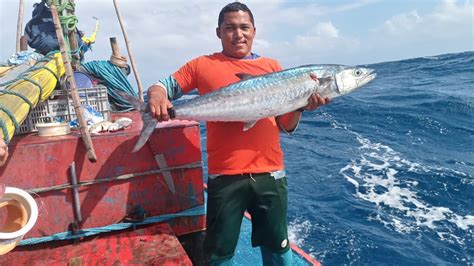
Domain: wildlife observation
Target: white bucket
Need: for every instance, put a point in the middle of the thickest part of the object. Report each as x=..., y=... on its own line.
x=22, y=215
x=53, y=129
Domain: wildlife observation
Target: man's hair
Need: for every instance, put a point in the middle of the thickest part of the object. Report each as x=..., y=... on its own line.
x=234, y=7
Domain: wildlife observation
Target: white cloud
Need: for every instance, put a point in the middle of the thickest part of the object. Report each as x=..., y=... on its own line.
x=317, y=45
x=445, y=16
x=402, y=23
x=166, y=34
x=326, y=29
x=448, y=28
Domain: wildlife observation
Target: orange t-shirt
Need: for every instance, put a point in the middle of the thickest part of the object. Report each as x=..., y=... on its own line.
x=230, y=149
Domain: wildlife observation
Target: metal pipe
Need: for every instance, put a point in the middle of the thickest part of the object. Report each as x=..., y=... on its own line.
x=75, y=193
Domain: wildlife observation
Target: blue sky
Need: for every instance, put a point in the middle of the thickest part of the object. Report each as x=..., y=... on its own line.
x=166, y=34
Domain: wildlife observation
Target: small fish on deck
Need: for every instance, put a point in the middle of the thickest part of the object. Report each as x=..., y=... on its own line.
x=107, y=126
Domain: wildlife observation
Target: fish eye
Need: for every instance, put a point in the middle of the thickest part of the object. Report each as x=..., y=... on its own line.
x=357, y=72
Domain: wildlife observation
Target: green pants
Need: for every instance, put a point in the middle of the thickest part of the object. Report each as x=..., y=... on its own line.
x=263, y=196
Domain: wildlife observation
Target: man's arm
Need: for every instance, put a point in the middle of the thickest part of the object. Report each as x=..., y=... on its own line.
x=288, y=122
x=159, y=102
x=3, y=152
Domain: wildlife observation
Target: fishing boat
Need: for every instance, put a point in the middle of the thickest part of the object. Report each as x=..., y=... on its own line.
x=142, y=208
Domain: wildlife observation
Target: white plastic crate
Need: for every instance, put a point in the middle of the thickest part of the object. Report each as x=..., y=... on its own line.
x=60, y=107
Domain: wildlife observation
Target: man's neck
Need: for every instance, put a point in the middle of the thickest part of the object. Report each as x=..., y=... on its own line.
x=250, y=56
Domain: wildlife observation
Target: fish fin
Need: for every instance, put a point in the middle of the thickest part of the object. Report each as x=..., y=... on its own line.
x=135, y=102
x=249, y=125
x=244, y=76
x=149, y=125
x=325, y=80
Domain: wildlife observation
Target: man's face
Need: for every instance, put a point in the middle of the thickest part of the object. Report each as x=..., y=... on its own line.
x=236, y=33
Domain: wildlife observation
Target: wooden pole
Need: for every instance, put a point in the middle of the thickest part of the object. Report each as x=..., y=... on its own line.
x=114, y=45
x=86, y=137
x=129, y=51
x=72, y=34
x=19, y=25
x=23, y=43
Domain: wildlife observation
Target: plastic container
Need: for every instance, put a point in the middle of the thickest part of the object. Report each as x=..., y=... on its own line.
x=53, y=129
x=22, y=215
x=60, y=107
x=83, y=80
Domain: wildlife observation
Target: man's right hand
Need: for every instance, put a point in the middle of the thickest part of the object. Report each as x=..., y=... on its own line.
x=159, y=103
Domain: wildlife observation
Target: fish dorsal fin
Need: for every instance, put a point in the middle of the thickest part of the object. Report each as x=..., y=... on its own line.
x=249, y=125
x=244, y=76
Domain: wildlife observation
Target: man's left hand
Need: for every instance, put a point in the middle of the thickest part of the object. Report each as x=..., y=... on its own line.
x=315, y=101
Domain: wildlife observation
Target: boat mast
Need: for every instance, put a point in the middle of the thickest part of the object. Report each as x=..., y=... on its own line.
x=19, y=25
x=129, y=51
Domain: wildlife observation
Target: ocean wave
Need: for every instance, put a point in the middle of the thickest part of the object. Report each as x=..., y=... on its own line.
x=375, y=176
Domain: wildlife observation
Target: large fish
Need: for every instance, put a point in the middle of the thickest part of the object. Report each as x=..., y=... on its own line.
x=257, y=97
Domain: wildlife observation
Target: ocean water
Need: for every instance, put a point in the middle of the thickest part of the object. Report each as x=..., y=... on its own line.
x=384, y=176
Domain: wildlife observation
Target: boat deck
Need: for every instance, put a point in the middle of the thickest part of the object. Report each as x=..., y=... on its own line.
x=246, y=255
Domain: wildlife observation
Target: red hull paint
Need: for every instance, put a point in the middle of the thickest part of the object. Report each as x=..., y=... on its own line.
x=37, y=162
x=153, y=245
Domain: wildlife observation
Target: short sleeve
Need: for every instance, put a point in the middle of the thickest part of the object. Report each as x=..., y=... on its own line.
x=186, y=76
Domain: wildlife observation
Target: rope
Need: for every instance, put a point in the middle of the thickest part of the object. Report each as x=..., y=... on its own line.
x=47, y=58
x=26, y=77
x=11, y=116
x=115, y=81
x=23, y=76
x=196, y=211
x=68, y=21
x=120, y=177
x=6, y=137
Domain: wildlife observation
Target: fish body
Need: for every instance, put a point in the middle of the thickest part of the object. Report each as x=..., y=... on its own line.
x=107, y=126
x=257, y=97
x=120, y=123
x=100, y=127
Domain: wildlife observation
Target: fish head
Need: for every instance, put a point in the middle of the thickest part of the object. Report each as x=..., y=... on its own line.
x=349, y=79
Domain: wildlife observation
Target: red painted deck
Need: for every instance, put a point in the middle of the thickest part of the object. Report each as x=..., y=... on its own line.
x=39, y=162
x=153, y=245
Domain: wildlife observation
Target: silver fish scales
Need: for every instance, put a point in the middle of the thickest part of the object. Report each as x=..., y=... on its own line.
x=257, y=97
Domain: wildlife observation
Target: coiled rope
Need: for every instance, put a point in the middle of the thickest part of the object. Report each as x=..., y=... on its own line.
x=31, y=75
x=67, y=19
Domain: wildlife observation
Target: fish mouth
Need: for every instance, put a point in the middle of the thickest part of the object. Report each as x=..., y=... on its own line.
x=368, y=77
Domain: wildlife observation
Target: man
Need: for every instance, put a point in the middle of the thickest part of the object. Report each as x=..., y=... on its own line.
x=246, y=170
x=3, y=152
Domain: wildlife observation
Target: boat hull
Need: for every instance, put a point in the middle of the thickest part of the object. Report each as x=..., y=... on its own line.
x=38, y=163
x=152, y=245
